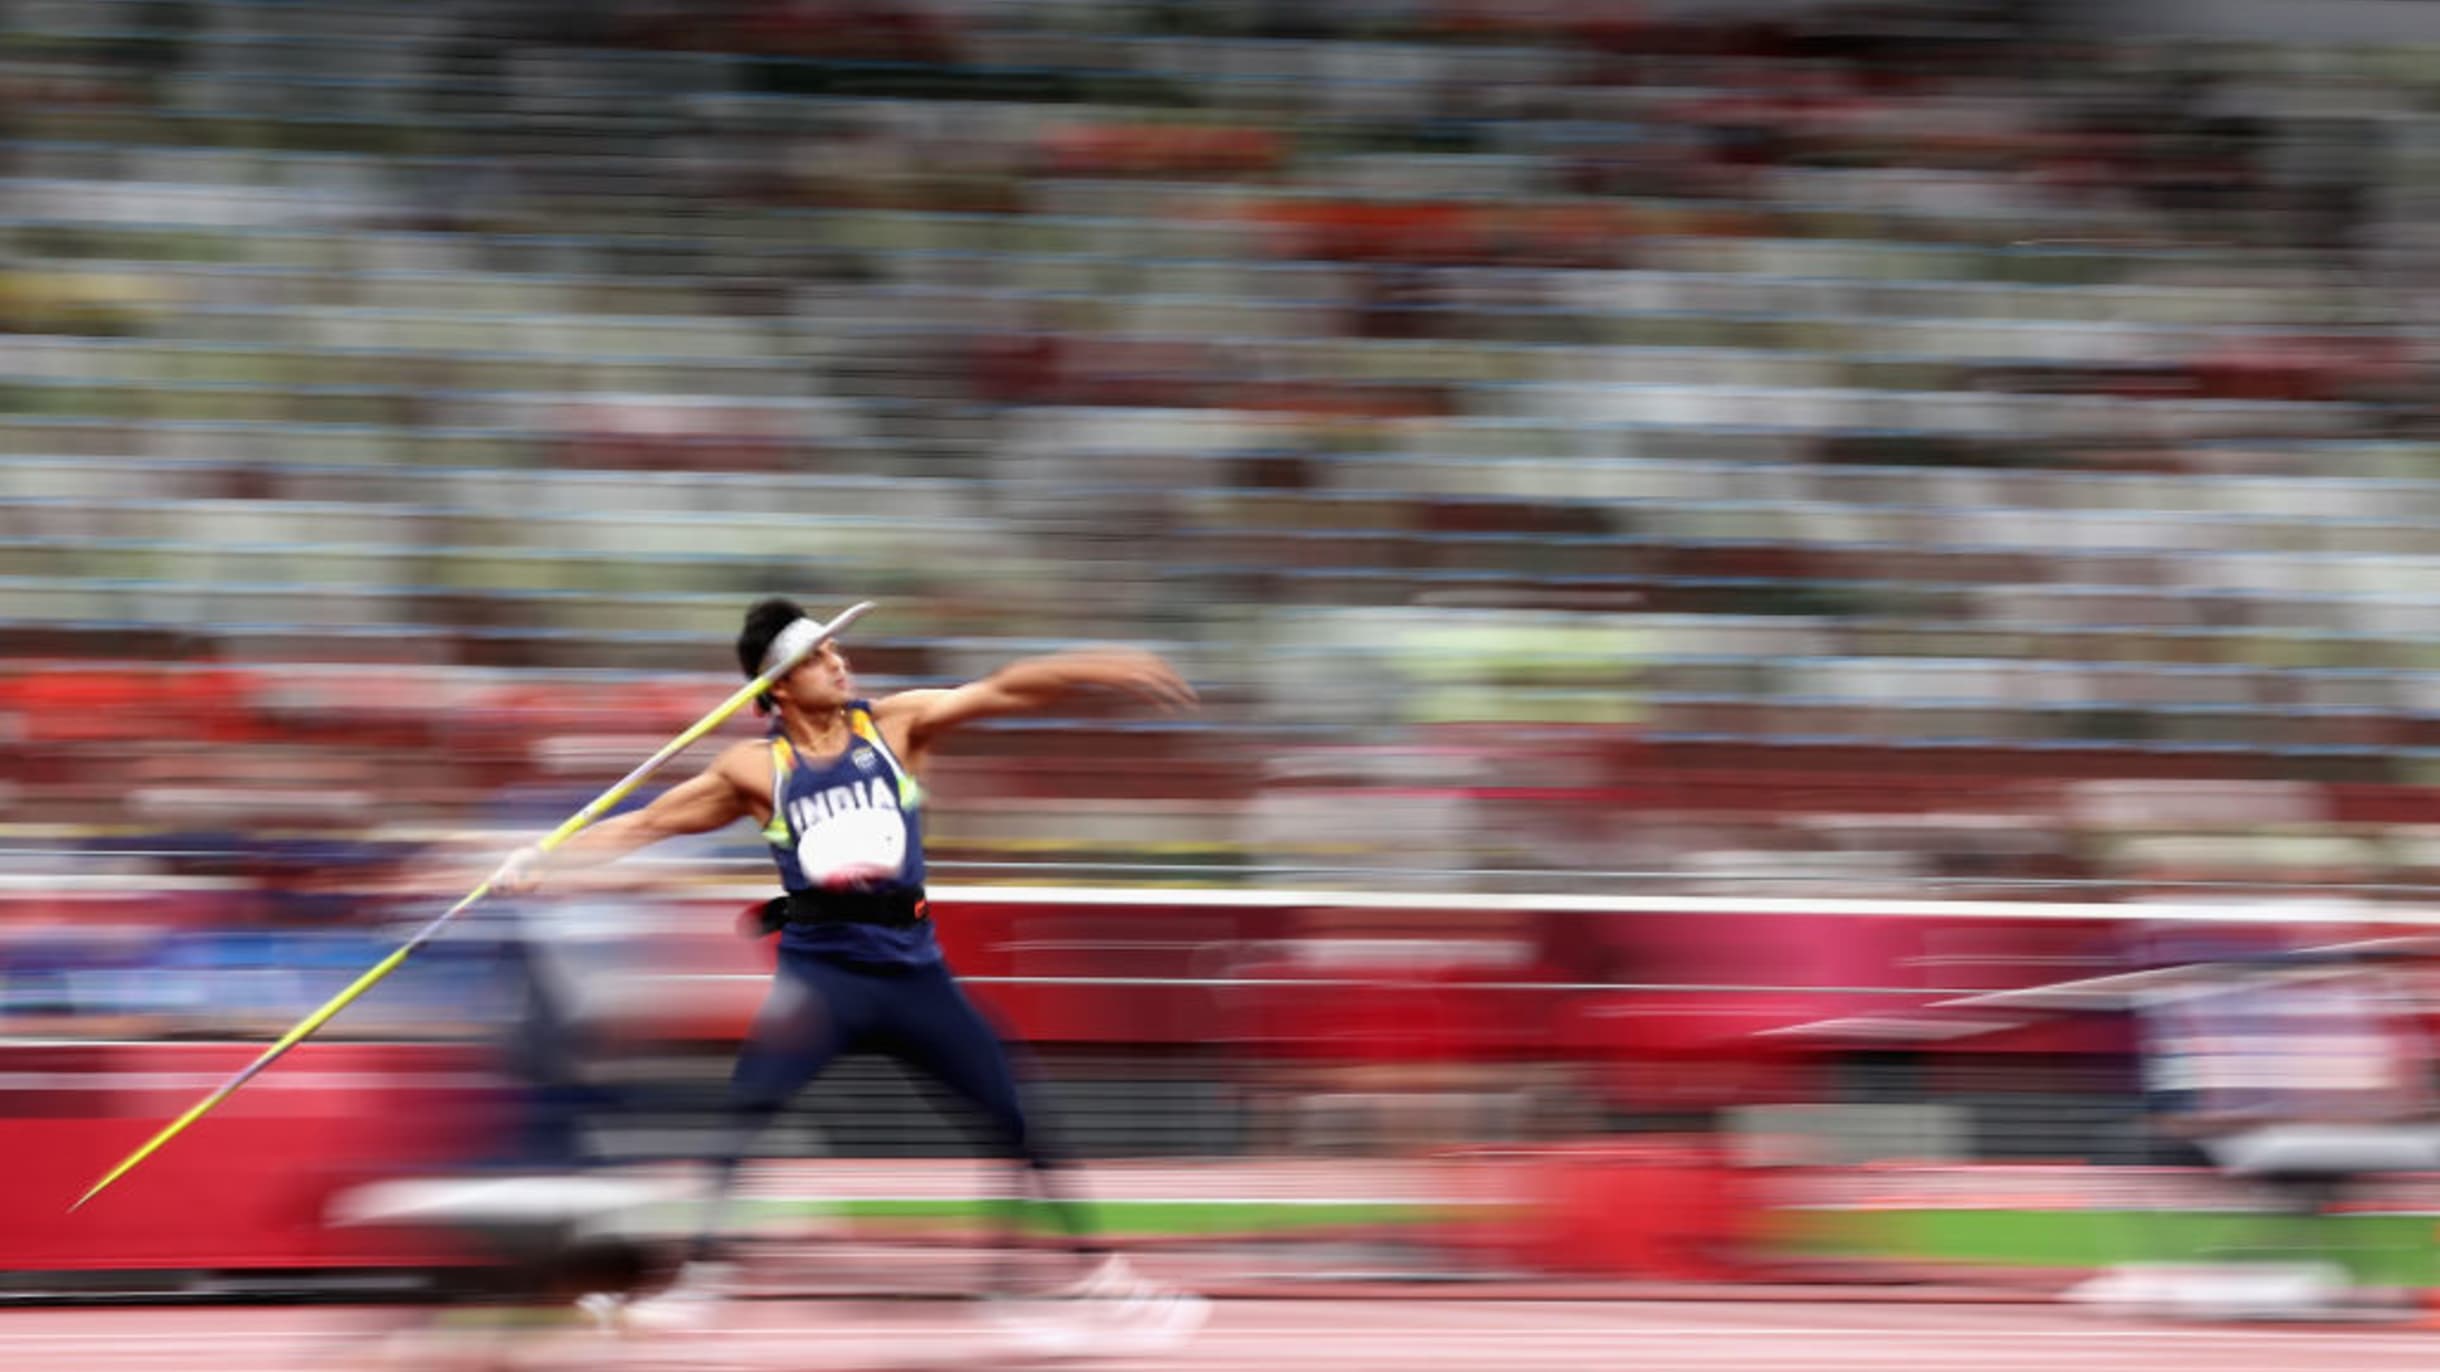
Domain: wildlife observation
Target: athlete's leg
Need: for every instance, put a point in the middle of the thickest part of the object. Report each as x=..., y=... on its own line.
x=936, y=1029
x=814, y=1012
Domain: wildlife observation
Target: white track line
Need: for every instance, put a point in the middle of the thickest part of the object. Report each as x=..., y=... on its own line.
x=1915, y=1335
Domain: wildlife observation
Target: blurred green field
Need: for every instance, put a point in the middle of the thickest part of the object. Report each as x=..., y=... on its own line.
x=2386, y=1249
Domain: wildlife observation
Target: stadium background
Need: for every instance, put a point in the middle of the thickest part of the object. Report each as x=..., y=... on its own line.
x=1613, y=470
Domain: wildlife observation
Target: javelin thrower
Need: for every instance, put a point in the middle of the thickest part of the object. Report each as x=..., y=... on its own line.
x=837, y=790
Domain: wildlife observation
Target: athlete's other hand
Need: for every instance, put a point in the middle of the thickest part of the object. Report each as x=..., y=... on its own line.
x=1140, y=674
x=521, y=874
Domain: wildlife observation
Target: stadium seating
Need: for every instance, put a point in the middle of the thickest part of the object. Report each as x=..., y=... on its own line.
x=1789, y=412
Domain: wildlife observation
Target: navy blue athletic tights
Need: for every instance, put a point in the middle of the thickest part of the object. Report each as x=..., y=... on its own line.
x=819, y=1008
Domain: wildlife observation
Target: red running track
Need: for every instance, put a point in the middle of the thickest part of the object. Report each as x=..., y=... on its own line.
x=1265, y=1336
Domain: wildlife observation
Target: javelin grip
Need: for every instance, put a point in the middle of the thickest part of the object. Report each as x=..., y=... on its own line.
x=792, y=649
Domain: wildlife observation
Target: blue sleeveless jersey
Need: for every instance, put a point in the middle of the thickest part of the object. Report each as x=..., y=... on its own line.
x=853, y=822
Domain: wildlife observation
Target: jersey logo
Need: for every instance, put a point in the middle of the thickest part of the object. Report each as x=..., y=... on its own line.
x=849, y=834
x=865, y=759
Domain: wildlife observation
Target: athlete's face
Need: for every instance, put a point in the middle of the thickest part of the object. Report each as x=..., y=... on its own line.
x=821, y=681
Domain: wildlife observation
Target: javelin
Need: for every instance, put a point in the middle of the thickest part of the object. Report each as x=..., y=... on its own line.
x=794, y=648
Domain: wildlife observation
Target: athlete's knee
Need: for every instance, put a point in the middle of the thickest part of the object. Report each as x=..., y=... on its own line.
x=1022, y=1137
x=762, y=1087
x=1004, y=1116
x=744, y=1121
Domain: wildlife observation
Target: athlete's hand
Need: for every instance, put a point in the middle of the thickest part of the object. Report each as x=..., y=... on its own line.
x=1140, y=674
x=521, y=874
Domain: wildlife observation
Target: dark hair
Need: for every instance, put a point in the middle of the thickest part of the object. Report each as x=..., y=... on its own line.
x=765, y=619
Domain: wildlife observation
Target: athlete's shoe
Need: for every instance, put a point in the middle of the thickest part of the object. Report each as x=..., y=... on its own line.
x=1146, y=1315
x=690, y=1303
x=606, y=1309
x=1041, y=1327
x=1112, y=1309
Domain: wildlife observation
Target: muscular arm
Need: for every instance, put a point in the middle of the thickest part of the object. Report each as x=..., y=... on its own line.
x=717, y=796
x=1027, y=686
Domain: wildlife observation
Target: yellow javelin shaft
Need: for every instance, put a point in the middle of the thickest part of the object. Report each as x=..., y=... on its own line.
x=568, y=829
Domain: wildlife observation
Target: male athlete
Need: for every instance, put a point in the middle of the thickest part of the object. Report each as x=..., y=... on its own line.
x=836, y=788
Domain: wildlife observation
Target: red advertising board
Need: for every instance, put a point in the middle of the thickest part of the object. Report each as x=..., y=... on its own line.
x=245, y=1187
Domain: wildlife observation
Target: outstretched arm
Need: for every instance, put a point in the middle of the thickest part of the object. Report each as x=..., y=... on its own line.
x=699, y=805
x=1031, y=685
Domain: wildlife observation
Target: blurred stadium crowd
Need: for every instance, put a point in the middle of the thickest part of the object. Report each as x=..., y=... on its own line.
x=1884, y=448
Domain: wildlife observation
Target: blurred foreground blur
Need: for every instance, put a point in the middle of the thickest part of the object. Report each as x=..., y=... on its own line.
x=1817, y=621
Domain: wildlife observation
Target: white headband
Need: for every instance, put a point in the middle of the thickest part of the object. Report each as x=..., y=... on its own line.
x=793, y=644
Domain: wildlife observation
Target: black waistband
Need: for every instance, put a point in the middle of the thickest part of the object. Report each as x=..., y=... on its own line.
x=898, y=909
